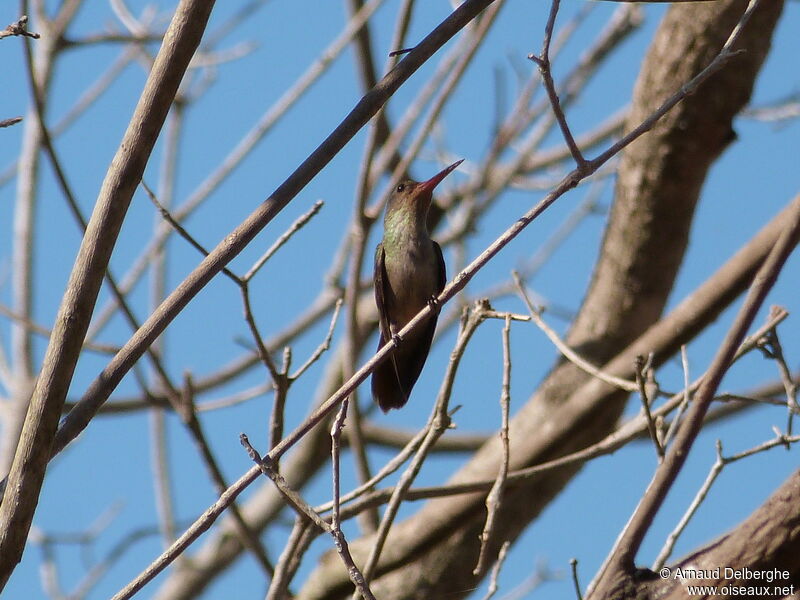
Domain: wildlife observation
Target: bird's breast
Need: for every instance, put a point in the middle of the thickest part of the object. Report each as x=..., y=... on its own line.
x=412, y=273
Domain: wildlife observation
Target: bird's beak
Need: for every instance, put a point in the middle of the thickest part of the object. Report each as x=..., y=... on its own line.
x=436, y=179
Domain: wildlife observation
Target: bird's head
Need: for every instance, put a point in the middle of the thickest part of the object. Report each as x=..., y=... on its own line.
x=417, y=195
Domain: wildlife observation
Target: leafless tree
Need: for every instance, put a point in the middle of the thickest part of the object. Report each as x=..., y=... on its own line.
x=697, y=76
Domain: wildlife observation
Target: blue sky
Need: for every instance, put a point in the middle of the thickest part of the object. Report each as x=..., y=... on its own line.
x=754, y=179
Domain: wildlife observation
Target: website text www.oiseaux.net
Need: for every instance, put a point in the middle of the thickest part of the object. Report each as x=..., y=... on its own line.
x=744, y=581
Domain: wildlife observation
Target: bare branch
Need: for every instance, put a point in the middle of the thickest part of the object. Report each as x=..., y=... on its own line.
x=716, y=469
x=621, y=558
x=19, y=28
x=27, y=471
x=498, y=565
x=298, y=224
x=643, y=369
x=543, y=62
x=294, y=499
x=356, y=576
x=566, y=351
x=495, y=496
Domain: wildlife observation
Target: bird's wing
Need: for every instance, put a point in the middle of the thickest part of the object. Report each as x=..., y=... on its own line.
x=442, y=271
x=387, y=389
x=381, y=279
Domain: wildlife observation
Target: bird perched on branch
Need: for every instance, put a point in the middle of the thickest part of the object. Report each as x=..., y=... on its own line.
x=409, y=274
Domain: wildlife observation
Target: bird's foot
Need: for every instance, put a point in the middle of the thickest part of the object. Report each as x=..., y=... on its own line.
x=396, y=340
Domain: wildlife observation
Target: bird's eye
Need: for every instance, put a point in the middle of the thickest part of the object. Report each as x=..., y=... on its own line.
x=401, y=187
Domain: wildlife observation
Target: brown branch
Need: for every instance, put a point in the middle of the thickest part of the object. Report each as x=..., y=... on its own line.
x=773, y=349
x=293, y=498
x=299, y=223
x=767, y=540
x=236, y=241
x=620, y=563
x=564, y=349
x=36, y=443
x=495, y=496
x=501, y=557
x=643, y=371
x=356, y=576
x=543, y=62
x=19, y=28
x=235, y=157
x=702, y=493
x=438, y=423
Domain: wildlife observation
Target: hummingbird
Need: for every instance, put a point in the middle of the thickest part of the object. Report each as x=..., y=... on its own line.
x=409, y=274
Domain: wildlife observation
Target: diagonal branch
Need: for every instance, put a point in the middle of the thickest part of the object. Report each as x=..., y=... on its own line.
x=34, y=451
x=621, y=560
x=236, y=241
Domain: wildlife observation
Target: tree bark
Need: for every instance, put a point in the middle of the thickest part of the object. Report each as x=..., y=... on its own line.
x=768, y=540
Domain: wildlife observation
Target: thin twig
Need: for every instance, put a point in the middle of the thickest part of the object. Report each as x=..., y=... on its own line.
x=298, y=224
x=566, y=351
x=495, y=496
x=278, y=378
x=167, y=216
x=543, y=62
x=293, y=497
x=719, y=464
x=498, y=565
x=395, y=463
x=772, y=347
x=687, y=398
x=281, y=387
x=573, y=563
x=336, y=437
x=356, y=576
x=10, y=121
x=642, y=368
x=324, y=345
x=622, y=556
x=529, y=268
x=19, y=28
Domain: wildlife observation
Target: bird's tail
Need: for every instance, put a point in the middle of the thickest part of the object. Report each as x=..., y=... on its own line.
x=386, y=388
